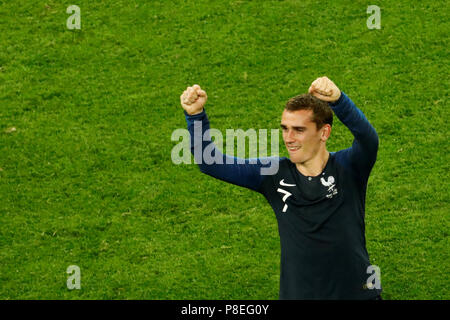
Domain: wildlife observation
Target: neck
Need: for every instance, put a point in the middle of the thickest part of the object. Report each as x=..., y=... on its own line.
x=313, y=167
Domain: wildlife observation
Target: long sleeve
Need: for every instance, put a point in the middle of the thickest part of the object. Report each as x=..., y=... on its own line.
x=242, y=172
x=363, y=153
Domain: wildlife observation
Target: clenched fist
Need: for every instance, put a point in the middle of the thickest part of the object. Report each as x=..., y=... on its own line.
x=193, y=99
x=324, y=89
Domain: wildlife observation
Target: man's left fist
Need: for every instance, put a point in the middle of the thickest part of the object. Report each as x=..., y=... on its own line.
x=324, y=89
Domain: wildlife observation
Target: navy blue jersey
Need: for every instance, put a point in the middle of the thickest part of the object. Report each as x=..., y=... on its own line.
x=320, y=218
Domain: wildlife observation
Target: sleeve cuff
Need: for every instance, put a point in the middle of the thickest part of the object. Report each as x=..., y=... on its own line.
x=195, y=116
x=338, y=101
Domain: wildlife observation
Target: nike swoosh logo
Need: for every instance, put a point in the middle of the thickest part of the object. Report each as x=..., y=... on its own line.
x=286, y=184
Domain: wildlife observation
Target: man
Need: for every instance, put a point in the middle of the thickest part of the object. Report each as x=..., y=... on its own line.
x=318, y=196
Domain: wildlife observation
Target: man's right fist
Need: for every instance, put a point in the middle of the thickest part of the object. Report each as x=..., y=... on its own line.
x=193, y=99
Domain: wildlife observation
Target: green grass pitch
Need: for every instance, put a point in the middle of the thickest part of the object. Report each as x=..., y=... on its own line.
x=86, y=116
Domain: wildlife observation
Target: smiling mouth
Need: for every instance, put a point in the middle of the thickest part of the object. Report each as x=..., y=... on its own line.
x=292, y=149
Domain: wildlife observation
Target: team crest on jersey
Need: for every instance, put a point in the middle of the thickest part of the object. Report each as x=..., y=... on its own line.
x=331, y=185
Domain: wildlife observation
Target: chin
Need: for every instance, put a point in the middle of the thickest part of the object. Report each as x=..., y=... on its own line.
x=295, y=158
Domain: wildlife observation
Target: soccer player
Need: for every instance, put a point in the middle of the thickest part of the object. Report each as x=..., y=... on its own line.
x=318, y=196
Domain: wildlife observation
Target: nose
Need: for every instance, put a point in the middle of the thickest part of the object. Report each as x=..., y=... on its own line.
x=289, y=136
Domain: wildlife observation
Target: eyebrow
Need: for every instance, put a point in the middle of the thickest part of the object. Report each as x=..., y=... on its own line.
x=284, y=126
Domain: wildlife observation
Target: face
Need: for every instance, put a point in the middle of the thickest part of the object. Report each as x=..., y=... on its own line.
x=301, y=137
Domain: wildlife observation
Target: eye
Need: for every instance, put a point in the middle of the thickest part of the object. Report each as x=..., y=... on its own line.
x=300, y=129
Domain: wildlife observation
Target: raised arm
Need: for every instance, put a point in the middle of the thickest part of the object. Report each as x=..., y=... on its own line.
x=363, y=153
x=211, y=161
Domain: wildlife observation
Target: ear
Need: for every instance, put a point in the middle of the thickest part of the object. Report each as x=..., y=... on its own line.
x=325, y=132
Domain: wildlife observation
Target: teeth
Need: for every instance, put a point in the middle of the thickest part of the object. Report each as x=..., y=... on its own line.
x=293, y=148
